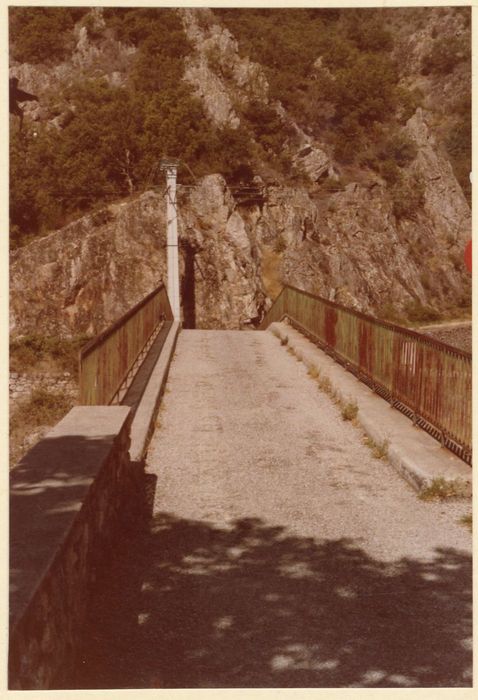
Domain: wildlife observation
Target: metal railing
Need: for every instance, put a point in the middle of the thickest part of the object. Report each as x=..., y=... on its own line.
x=426, y=379
x=108, y=360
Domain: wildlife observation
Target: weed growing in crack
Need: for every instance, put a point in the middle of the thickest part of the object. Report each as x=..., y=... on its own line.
x=379, y=450
x=326, y=385
x=349, y=410
x=440, y=490
x=313, y=372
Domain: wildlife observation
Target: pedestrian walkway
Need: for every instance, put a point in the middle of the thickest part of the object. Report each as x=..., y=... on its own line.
x=281, y=553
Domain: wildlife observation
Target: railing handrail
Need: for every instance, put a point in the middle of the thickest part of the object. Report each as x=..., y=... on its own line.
x=101, y=337
x=430, y=381
x=429, y=340
x=108, y=361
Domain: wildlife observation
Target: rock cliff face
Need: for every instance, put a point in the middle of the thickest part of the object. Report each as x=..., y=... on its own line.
x=349, y=246
x=85, y=276
x=353, y=249
x=215, y=70
x=82, y=277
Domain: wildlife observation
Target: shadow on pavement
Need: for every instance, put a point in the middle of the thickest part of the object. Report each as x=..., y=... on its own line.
x=189, y=605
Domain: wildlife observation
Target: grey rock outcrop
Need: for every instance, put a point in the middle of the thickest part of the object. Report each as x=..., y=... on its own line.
x=313, y=161
x=86, y=275
x=349, y=248
x=216, y=71
x=445, y=205
x=82, y=277
x=223, y=79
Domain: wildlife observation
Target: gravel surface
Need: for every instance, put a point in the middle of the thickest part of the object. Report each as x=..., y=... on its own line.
x=281, y=553
x=458, y=335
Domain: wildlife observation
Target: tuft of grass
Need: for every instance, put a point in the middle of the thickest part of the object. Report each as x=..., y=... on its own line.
x=440, y=489
x=313, y=372
x=379, y=450
x=349, y=410
x=325, y=385
x=467, y=520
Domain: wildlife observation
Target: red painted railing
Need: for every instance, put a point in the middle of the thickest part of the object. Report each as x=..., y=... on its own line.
x=426, y=379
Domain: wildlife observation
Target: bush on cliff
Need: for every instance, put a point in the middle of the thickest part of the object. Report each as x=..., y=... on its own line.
x=42, y=34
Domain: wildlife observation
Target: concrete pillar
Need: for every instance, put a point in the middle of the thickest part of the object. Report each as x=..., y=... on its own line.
x=171, y=168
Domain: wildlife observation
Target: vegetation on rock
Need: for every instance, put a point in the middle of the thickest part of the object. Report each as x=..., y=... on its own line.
x=34, y=352
x=333, y=70
x=42, y=34
x=329, y=110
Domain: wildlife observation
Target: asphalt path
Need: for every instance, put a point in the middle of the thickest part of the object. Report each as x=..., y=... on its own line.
x=280, y=552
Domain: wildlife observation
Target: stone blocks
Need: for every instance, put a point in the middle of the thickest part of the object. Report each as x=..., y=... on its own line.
x=71, y=497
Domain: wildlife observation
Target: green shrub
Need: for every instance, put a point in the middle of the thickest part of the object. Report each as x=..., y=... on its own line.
x=400, y=148
x=367, y=31
x=266, y=125
x=458, y=145
x=108, y=150
x=44, y=408
x=441, y=489
x=42, y=34
x=408, y=101
x=390, y=171
x=31, y=350
x=379, y=450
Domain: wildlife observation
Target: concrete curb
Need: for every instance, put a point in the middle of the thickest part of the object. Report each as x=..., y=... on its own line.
x=142, y=426
x=415, y=455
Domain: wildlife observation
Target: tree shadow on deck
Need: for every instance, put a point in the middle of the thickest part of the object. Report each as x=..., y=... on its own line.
x=190, y=605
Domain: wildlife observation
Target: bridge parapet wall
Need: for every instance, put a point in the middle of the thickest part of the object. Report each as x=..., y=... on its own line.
x=71, y=497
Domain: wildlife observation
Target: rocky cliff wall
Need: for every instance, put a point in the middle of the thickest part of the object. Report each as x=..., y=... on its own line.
x=81, y=278
x=352, y=248
x=349, y=247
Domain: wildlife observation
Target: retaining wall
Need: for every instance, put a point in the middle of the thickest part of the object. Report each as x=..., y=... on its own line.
x=71, y=497
x=21, y=385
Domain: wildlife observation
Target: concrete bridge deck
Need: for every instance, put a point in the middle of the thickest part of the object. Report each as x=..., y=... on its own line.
x=280, y=552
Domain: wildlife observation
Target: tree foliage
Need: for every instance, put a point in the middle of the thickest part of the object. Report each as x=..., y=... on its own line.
x=350, y=98
x=355, y=85
x=42, y=34
x=444, y=56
